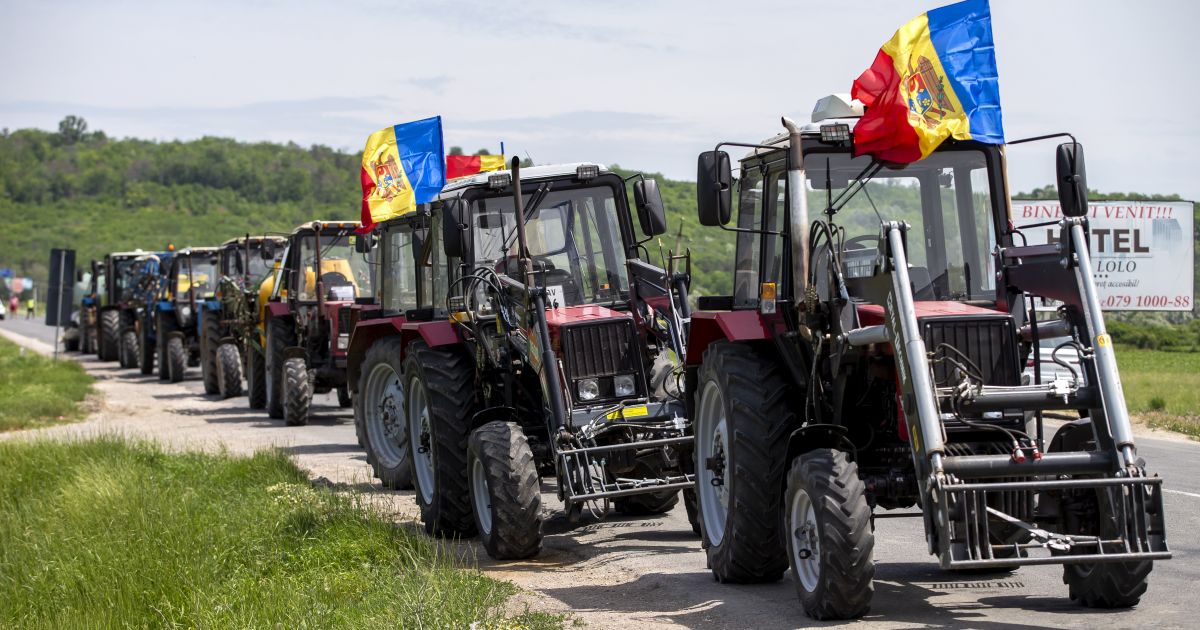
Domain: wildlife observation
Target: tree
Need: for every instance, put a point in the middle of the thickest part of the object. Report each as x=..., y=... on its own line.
x=483, y=152
x=456, y=151
x=72, y=129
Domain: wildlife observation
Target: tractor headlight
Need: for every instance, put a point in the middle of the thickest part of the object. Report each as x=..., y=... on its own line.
x=589, y=388
x=185, y=313
x=343, y=341
x=623, y=385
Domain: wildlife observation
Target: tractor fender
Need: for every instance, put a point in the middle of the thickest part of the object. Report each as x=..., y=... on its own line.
x=177, y=334
x=295, y=352
x=278, y=309
x=434, y=334
x=365, y=333
x=711, y=326
x=816, y=436
x=500, y=412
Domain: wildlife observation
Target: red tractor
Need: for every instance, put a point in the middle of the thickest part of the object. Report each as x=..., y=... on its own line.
x=511, y=346
x=870, y=357
x=324, y=271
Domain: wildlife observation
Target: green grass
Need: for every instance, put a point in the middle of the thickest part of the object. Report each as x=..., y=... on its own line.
x=108, y=533
x=1162, y=388
x=36, y=391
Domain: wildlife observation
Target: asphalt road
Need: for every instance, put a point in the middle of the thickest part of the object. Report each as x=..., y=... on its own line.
x=650, y=573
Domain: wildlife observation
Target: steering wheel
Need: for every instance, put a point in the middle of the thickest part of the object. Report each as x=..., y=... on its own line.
x=335, y=278
x=858, y=240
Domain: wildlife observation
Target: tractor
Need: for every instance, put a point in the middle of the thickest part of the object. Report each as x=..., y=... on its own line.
x=526, y=344
x=115, y=315
x=145, y=280
x=186, y=298
x=868, y=364
x=230, y=345
x=324, y=271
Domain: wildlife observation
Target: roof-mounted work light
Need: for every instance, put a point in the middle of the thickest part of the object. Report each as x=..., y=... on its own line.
x=499, y=180
x=837, y=133
x=587, y=171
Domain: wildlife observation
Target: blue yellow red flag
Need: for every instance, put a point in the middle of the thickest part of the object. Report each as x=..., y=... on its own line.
x=934, y=79
x=402, y=166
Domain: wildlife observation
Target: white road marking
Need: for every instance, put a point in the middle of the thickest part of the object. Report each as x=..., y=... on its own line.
x=1186, y=494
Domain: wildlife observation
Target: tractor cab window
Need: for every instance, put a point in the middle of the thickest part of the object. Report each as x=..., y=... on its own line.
x=574, y=239
x=198, y=272
x=945, y=200
x=749, y=244
x=398, y=275
x=233, y=263
x=121, y=271
x=344, y=274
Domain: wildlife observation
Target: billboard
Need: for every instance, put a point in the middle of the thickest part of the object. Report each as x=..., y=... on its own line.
x=1142, y=251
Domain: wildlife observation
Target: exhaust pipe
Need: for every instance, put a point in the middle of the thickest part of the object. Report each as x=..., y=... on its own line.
x=798, y=211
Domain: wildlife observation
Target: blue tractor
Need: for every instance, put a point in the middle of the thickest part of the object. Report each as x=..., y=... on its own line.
x=187, y=295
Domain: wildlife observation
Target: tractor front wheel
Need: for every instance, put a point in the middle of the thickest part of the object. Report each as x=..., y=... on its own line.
x=279, y=337
x=256, y=377
x=146, y=346
x=440, y=401
x=505, y=491
x=297, y=392
x=829, y=536
x=110, y=335
x=176, y=359
x=129, y=349
x=229, y=370
x=210, y=339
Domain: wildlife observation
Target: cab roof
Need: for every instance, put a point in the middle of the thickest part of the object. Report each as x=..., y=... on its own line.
x=312, y=225
x=187, y=251
x=254, y=238
x=530, y=173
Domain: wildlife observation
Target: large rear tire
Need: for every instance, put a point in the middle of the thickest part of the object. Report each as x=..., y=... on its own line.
x=297, y=392
x=110, y=335
x=379, y=415
x=229, y=371
x=743, y=421
x=210, y=339
x=829, y=536
x=279, y=337
x=176, y=359
x=440, y=391
x=505, y=491
x=256, y=377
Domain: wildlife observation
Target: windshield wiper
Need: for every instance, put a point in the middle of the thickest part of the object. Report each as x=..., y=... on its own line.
x=859, y=183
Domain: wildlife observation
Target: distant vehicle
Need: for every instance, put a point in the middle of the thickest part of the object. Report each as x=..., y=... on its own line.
x=3, y=311
x=1059, y=359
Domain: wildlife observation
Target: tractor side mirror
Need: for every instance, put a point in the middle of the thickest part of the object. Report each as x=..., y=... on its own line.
x=267, y=251
x=452, y=233
x=648, y=201
x=364, y=242
x=714, y=188
x=1072, y=180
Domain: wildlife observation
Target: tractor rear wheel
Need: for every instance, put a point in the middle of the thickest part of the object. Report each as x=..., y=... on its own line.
x=440, y=392
x=742, y=424
x=129, y=349
x=344, y=399
x=297, y=392
x=229, y=371
x=256, y=377
x=146, y=346
x=505, y=491
x=279, y=337
x=379, y=415
x=176, y=359
x=165, y=326
x=210, y=339
x=647, y=466
x=110, y=335
x=829, y=536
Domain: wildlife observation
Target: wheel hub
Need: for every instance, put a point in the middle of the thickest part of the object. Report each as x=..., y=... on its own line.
x=805, y=542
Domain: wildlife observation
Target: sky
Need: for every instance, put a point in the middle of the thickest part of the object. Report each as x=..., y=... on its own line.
x=642, y=84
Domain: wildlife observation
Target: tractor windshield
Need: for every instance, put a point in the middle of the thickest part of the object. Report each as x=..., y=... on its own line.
x=574, y=240
x=199, y=272
x=121, y=272
x=345, y=273
x=234, y=262
x=946, y=200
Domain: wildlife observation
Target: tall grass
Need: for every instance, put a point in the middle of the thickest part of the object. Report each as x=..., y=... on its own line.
x=107, y=533
x=35, y=391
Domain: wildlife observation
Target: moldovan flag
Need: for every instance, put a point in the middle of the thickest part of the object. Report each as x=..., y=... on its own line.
x=935, y=79
x=402, y=166
x=467, y=165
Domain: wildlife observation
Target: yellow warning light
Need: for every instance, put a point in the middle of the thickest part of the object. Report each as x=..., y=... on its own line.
x=766, y=298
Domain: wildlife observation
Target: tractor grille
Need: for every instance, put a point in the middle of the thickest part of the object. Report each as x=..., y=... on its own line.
x=989, y=342
x=343, y=322
x=601, y=349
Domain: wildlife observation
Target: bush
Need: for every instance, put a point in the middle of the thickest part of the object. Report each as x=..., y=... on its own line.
x=1157, y=404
